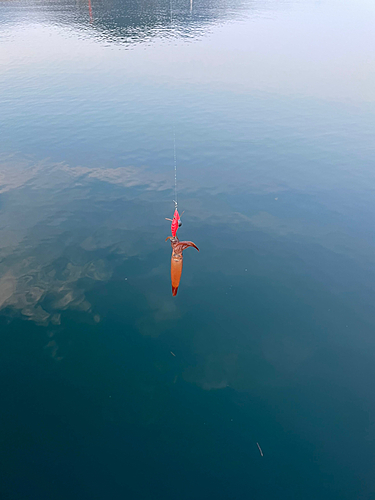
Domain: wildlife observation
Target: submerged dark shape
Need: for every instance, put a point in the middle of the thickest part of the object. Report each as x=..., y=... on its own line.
x=176, y=261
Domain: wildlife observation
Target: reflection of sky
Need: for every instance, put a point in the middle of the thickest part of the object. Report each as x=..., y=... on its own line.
x=318, y=51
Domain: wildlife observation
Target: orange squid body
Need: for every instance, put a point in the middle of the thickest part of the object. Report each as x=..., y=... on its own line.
x=176, y=270
x=177, y=259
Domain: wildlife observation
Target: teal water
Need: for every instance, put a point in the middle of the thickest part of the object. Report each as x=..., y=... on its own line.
x=112, y=388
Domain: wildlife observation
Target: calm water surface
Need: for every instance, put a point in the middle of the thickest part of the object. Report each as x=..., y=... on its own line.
x=272, y=104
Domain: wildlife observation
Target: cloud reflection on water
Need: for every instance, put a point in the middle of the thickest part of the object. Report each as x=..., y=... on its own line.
x=44, y=255
x=64, y=228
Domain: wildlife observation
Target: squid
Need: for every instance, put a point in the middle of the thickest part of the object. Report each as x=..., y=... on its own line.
x=176, y=261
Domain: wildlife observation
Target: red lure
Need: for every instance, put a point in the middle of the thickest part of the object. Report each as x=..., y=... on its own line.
x=175, y=223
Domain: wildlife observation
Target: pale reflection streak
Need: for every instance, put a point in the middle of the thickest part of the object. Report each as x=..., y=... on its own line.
x=41, y=256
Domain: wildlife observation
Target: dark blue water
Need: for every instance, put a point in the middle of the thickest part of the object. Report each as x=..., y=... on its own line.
x=110, y=387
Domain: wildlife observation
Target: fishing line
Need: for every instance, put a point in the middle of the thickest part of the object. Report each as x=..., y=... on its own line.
x=175, y=167
x=174, y=130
